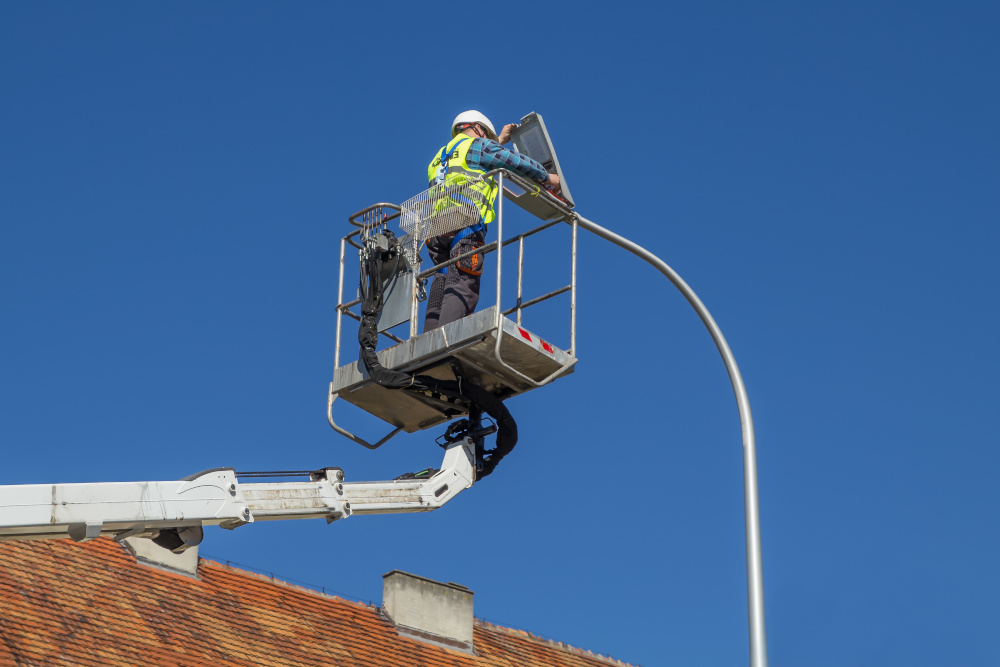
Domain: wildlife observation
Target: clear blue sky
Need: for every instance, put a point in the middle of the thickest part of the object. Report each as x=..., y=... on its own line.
x=174, y=178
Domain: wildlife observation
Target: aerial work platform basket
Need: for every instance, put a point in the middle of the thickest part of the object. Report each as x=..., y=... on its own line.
x=492, y=348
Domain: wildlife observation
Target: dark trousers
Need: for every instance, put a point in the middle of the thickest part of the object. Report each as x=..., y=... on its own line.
x=454, y=294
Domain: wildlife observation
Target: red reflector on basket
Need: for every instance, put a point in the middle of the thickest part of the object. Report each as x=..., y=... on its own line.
x=524, y=334
x=547, y=347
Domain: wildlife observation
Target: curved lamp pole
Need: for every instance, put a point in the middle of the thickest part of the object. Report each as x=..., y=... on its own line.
x=755, y=572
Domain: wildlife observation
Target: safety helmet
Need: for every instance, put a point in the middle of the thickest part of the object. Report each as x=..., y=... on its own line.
x=473, y=116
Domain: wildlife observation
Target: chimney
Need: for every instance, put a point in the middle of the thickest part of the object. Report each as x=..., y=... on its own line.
x=429, y=611
x=148, y=552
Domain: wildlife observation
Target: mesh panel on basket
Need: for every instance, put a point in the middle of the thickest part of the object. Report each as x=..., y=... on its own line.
x=439, y=210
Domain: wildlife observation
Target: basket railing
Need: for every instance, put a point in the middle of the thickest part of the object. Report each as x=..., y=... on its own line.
x=423, y=216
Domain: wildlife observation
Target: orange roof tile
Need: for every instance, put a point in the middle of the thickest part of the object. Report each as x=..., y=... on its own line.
x=63, y=603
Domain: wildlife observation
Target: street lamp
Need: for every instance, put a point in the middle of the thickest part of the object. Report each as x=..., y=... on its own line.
x=755, y=572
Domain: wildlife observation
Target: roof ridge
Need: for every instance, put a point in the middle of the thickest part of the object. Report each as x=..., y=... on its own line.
x=273, y=579
x=554, y=643
x=59, y=597
x=208, y=562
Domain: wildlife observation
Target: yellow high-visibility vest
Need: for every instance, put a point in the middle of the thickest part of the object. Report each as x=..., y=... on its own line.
x=459, y=171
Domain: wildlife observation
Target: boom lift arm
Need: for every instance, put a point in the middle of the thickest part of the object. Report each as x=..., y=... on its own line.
x=173, y=513
x=466, y=367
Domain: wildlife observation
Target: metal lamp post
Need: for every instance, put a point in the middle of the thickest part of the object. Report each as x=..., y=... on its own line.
x=755, y=573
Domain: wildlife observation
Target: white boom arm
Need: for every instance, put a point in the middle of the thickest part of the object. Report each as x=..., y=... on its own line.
x=216, y=498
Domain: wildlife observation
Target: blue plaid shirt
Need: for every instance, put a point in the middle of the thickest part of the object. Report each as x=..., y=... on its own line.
x=487, y=155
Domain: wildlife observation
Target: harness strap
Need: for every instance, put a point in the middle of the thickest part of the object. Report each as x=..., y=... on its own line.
x=445, y=157
x=442, y=172
x=467, y=232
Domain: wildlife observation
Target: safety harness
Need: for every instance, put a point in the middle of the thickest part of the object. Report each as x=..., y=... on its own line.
x=440, y=178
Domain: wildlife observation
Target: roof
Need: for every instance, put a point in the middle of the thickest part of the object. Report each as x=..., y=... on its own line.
x=63, y=603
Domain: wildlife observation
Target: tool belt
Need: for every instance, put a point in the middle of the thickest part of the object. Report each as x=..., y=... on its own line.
x=473, y=264
x=461, y=242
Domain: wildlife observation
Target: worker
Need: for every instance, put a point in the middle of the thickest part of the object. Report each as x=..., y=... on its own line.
x=474, y=149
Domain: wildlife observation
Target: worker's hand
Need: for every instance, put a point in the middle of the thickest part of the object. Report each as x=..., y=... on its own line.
x=553, y=183
x=505, y=133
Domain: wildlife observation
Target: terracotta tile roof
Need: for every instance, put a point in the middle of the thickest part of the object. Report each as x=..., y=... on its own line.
x=63, y=603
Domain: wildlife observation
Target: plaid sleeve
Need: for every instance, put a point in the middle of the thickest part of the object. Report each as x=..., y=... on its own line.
x=491, y=155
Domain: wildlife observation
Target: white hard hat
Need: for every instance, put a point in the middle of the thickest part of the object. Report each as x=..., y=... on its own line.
x=473, y=116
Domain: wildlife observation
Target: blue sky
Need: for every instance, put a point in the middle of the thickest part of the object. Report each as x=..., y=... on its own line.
x=174, y=179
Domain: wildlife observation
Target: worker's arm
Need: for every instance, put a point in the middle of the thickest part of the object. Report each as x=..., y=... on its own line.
x=491, y=155
x=554, y=183
x=506, y=132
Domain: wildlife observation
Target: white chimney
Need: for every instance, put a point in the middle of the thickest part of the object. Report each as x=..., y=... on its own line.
x=150, y=553
x=424, y=609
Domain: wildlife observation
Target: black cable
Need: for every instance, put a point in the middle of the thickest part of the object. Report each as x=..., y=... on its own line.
x=373, y=290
